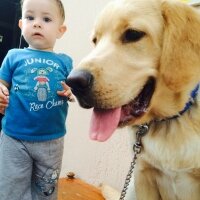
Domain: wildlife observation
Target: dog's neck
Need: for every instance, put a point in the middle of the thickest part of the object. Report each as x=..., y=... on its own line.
x=144, y=128
x=195, y=94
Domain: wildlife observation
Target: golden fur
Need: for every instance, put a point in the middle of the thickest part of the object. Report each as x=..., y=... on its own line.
x=168, y=167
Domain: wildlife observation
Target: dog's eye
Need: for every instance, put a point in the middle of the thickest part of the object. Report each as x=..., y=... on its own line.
x=131, y=35
x=94, y=40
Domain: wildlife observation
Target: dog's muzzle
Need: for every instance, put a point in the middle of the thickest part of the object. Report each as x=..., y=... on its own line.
x=81, y=82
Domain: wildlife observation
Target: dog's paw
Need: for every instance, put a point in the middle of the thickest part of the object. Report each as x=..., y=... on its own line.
x=109, y=193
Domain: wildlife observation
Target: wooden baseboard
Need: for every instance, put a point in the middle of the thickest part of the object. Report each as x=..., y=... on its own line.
x=76, y=189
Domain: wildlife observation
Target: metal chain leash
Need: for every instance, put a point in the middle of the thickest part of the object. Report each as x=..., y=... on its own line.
x=142, y=130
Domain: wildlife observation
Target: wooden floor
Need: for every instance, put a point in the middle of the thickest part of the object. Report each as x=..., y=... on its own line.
x=76, y=189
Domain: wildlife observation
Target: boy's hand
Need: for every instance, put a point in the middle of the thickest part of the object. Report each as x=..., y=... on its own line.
x=4, y=98
x=66, y=92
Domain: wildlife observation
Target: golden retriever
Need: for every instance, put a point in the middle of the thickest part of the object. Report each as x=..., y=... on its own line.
x=145, y=69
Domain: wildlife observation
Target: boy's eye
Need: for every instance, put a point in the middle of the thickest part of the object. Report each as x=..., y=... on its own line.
x=30, y=17
x=47, y=19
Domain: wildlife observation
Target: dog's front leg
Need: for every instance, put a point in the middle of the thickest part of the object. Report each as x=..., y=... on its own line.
x=145, y=184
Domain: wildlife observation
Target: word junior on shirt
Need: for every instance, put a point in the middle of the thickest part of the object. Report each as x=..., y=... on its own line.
x=41, y=61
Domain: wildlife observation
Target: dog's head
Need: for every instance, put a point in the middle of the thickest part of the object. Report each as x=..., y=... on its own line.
x=144, y=64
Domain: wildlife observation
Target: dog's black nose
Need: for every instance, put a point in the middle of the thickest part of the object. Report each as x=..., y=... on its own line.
x=80, y=80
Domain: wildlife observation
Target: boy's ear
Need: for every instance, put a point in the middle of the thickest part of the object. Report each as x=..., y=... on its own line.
x=61, y=30
x=20, y=24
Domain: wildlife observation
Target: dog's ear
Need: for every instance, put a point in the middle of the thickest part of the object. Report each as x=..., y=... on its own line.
x=180, y=59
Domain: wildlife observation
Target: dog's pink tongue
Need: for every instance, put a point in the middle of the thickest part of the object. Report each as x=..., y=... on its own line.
x=104, y=123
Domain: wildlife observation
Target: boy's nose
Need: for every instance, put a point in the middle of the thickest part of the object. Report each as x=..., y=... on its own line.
x=37, y=24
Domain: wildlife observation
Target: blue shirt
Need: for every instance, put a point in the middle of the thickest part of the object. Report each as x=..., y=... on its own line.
x=35, y=111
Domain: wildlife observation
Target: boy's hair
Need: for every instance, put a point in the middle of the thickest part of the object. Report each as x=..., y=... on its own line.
x=60, y=6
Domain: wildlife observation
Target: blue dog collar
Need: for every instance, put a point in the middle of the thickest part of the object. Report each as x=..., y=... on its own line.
x=193, y=96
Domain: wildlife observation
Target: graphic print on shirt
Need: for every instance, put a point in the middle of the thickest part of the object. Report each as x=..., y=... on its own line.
x=42, y=82
x=39, y=83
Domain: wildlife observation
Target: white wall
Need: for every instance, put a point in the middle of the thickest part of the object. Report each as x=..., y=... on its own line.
x=91, y=161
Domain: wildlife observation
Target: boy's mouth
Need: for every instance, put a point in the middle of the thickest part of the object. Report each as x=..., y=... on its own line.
x=37, y=34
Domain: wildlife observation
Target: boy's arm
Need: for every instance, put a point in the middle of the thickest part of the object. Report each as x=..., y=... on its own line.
x=4, y=95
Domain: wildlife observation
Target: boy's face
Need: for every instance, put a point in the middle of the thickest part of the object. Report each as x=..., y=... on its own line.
x=41, y=24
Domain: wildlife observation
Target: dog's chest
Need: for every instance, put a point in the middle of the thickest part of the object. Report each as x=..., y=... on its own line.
x=177, y=162
x=176, y=150
x=178, y=185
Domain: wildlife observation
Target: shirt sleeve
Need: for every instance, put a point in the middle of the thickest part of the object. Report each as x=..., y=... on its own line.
x=5, y=70
x=68, y=62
